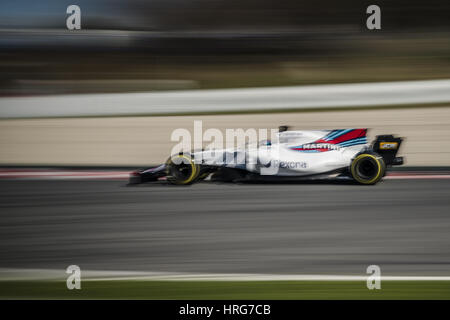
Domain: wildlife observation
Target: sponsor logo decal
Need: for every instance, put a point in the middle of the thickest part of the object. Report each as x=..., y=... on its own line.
x=288, y=164
x=388, y=145
x=335, y=140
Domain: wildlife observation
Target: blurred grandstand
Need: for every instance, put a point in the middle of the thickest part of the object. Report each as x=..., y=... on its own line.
x=138, y=45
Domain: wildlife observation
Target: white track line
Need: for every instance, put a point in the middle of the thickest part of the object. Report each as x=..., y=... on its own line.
x=91, y=275
x=268, y=277
x=121, y=175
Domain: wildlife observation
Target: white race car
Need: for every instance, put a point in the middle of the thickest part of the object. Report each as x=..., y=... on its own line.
x=343, y=153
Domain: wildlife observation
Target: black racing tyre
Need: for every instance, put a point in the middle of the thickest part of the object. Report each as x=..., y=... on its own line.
x=367, y=168
x=182, y=170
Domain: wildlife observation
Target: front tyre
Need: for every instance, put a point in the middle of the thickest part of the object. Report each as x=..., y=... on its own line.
x=182, y=170
x=367, y=168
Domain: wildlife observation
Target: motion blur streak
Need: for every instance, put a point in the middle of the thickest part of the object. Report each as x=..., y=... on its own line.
x=136, y=45
x=176, y=57
x=45, y=174
x=317, y=228
x=143, y=141
x=348, y=95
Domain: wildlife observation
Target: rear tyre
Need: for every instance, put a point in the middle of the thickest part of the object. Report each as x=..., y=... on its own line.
x=367, y=168
x=181, y=170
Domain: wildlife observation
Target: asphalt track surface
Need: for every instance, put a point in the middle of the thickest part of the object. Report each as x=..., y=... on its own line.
x=312, y=228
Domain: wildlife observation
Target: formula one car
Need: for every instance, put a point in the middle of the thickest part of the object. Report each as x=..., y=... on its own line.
x=339, y=153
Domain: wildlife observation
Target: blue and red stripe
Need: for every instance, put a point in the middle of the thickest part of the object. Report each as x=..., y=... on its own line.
x=340, y=137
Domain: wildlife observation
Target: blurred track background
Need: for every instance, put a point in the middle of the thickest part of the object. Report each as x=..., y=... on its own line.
x=143, y=141
x=155, y=57
x=129, y=52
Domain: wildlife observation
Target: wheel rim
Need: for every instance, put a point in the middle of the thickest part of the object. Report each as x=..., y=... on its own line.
x=367, y=168
x=181, y=170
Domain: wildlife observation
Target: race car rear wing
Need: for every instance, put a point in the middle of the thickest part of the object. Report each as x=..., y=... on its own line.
x=387, y=146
